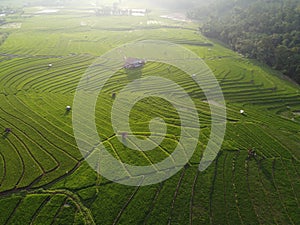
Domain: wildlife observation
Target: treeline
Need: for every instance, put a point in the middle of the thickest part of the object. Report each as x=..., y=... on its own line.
x=267, y=30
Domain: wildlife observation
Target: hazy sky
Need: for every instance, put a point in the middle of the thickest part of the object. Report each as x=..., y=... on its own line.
x=178, y=4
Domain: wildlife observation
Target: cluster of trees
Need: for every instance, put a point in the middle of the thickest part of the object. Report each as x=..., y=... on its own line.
x=3, y=37
x=267, y=30
x=2, y=21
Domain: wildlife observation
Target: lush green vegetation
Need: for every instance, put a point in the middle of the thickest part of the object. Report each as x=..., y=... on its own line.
x=265, y=30
x=43, y=177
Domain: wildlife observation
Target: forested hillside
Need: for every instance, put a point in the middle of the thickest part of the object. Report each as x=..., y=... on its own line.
x=267, y=30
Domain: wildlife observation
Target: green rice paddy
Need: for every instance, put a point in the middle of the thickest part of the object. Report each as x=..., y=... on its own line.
x=44, y=178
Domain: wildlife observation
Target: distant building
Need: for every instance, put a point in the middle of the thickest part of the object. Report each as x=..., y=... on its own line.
x=115, y=11
x=138, y=12
x=131, y=63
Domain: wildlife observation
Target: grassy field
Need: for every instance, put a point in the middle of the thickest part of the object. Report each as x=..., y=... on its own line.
x=44, y=178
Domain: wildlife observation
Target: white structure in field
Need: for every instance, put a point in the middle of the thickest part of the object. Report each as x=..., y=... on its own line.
x=138, y=12
x=131, y=63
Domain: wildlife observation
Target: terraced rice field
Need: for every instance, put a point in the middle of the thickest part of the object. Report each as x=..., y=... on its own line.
x=44, y=178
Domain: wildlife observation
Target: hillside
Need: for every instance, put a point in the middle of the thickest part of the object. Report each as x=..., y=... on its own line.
x=265, y=30
x=44, y=178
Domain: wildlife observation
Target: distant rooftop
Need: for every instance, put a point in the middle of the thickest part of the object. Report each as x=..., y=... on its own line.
x=133, y=63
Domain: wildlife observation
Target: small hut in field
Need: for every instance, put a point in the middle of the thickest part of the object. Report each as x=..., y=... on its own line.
x=132, y=63
x=7, y=130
